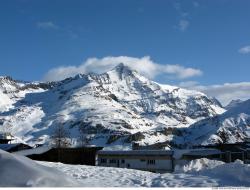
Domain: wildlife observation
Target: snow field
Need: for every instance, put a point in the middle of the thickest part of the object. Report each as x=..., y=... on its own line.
x=19, y=171
x=197, y=173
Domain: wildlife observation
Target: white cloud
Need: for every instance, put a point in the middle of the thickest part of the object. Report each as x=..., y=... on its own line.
x=46, y=25
x=223, y=92
x=143, y=65
x=244, y=50
x=183, y=24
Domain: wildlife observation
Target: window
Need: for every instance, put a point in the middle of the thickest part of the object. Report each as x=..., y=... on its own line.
x=142, y=160
x=103, y=160
x=151, y=162
x=122, y=161
x=128, y=165
x=112, y=161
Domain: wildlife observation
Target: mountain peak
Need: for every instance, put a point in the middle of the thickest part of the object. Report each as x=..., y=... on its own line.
x=233, y=103
x=6, y=78
x=122, y=70
x=121, y=67
x=238, y=107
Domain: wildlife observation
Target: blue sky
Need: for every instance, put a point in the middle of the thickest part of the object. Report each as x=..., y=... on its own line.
x=210, y=36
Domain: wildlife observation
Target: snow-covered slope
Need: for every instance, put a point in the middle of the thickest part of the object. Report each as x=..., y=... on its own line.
x=233, y=104
x=229, y=127
x=112, y=108
x=12, y=91
x=5, y=102
x=19, y=171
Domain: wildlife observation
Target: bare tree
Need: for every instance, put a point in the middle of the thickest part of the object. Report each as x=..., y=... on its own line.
x=60, y=136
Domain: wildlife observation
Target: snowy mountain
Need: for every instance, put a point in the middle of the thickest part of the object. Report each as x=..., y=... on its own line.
x=12, y=91
x=113, y=108
x=233, y=104
x=229, y=127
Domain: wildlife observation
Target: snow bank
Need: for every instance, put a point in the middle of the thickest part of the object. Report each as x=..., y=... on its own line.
x=198, y=165
x=19, y=171
x=230, y=174
x=226, y=174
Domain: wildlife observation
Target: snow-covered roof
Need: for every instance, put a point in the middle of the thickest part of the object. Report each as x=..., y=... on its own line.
x=136, y=152
x=203, y=152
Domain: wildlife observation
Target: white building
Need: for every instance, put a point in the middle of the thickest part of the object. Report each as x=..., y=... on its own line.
x=148, y=160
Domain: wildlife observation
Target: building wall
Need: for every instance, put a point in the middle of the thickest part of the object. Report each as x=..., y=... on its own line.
x=161, y=163
x=84, y=155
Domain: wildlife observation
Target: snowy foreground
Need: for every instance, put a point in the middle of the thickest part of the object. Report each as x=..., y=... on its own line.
x=20, y=171
x=198, y=173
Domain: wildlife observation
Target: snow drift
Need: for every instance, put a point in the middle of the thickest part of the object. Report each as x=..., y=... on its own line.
x=19, y=171
x=226, y=174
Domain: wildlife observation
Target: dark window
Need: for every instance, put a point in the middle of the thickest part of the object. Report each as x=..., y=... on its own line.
x=128, y=165
x=142, y=160
x=112, y=161
x=151, y=162
x=123, y=161
x=103, y=160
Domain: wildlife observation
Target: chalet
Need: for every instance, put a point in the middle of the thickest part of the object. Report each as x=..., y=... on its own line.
x=14, y=147
x=147, y=160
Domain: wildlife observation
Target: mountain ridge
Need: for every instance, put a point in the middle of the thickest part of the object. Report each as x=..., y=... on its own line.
x=117, y=107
